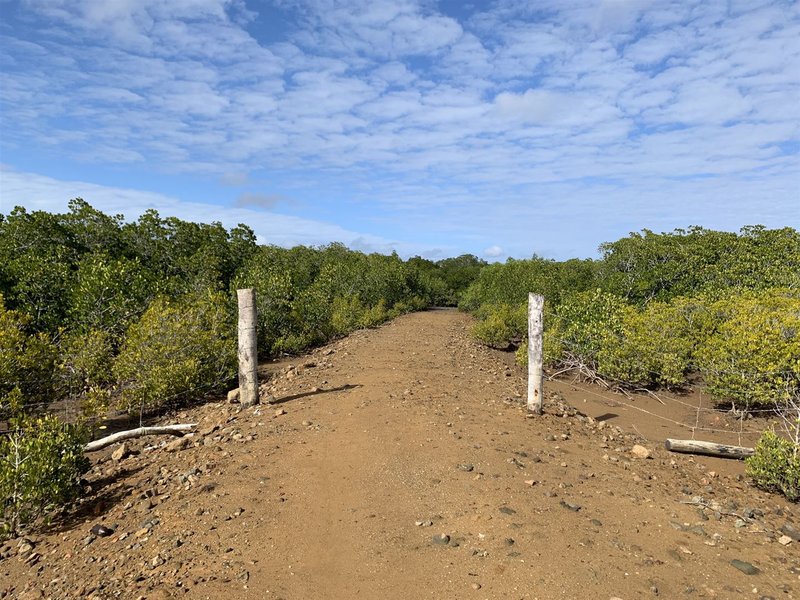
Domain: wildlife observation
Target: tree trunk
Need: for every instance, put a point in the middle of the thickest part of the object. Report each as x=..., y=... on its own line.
x=178, y=430
x=708, y=448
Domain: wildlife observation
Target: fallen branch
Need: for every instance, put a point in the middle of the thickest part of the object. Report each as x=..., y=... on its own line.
x=178, y=430
x=708, y=448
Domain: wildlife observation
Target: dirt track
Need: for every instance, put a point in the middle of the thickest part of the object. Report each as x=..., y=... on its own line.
x=389, y=439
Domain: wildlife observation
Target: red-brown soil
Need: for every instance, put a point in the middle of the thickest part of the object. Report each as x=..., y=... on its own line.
x=378, y=444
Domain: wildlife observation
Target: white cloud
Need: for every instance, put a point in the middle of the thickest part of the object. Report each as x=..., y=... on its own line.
x=493, y=251
x=538, y=106
x=410, y=112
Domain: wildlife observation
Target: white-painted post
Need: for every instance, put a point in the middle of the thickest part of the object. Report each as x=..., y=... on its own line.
x=248, y=348
x=535, y=371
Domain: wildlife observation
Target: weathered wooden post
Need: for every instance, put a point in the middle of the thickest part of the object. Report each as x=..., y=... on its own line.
x=248, y=348
x=535, y=372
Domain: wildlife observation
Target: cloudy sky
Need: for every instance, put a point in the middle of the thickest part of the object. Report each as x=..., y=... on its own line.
x=501, y=128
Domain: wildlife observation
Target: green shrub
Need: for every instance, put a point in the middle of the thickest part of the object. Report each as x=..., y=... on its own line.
x=501, y=325
x=41, y=462
x=656, y=345
x=178, y=349
x=346, y=313
x=374, y=315
x=107, y=293
x=752, y=357
x=415, y=303
x=775, y=466
x=26, y=360
x=582, y=327
x=84, y=370
x=510, y=282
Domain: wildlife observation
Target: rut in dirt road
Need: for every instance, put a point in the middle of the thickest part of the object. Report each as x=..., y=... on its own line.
x=400, y=463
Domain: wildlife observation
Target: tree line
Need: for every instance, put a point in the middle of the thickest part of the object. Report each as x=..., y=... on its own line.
x=139, y=314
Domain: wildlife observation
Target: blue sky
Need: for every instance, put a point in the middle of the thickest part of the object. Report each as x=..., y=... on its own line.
x=500, y=128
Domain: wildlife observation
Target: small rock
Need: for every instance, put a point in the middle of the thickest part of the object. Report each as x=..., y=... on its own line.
x=280, y=412
x=745, y=567
x=101, y=530
x=476, y=586
x=789, y=530
x=570, y=506
x=530, y=482
x=507, y=511
x=176, y=445
x=233, y=396
x=466, y=467
x=121, y=453
x=640, y=452
x=785, y=540
x=208, y=430
x=441, y=539
x=24, y=547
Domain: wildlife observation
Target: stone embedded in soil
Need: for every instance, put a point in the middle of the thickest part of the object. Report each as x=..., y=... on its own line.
x=121, y=453
x=101, y=530
x=570, y=506
x=233, y=396
x=507, y=511
x=466, y=467
x=24, y=547
x=208, y=429
x=789, y=530
x=639, y=451
x=745, y=567
x=441, y=539
x=176, y=445
x=784, y=540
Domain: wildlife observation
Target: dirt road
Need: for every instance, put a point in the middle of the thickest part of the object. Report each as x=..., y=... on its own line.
x=400, y=463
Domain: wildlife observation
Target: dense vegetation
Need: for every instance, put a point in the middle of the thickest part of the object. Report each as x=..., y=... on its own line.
x=96, y=312
x=99, y=311
x=658, y=309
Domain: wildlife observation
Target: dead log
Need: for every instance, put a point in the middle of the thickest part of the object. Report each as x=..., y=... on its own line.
x=708, y=448
x=178, y=430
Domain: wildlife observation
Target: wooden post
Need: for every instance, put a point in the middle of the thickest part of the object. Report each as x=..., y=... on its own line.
x=535, y=371
x=248, y=348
